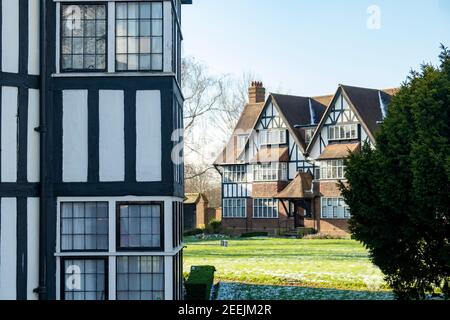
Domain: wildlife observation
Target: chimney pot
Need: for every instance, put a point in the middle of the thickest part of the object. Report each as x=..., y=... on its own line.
x=256, y=92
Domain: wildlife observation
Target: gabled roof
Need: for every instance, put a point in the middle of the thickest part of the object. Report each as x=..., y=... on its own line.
x=339, y=150
x=367, y=104
x=246, y=123
x=194, y=198
x=298, y=111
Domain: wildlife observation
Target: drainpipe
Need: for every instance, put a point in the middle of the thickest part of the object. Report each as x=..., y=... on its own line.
x=43, y=249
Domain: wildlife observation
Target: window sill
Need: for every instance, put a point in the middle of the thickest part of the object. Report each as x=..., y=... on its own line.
x=112, y=74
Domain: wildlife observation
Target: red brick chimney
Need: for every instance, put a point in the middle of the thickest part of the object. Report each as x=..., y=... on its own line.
x=256, y=92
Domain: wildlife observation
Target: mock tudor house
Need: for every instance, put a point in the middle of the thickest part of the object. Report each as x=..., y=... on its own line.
x=281, y=167
x=91, y=202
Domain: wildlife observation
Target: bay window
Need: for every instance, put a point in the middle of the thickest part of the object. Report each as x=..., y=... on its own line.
x=275, y=171
x=343, y=132
x=334, y=208
x=86, y=250
x=265, y=208
x=135, y=33
x=332, y=169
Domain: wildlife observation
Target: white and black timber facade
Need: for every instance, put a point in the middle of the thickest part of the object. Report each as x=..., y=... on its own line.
x=90, y=199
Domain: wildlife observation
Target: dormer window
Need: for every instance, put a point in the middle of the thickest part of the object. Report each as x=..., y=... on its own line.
x=343, y=132
x=308, y=135
x=272, y=137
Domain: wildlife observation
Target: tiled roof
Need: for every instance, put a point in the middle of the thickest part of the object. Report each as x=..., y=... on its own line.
x=367, y=103
x=246, y=123
x=193, y=198
x=299, y=111
x=339, y=150
x=299, y=188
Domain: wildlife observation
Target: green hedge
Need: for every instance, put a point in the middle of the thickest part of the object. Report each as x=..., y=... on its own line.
x=199, y=283
x=254, y=234
x=193, y=232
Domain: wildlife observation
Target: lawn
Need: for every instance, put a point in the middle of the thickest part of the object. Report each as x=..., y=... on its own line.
x=289, y=267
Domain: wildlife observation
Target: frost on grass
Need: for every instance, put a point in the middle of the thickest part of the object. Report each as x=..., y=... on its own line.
x=237, y=291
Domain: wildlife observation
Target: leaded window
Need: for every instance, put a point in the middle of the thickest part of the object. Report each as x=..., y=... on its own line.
x=276, y=171
x=332, y=169
x=265, y=208
x=83, y=37
x=140, y=226
x=234, y=208
x=140, y=278
x=334, y=208
x=234, y=174
x=84, y=226
x=343, y=132
x=272, y=137
x=139, y=36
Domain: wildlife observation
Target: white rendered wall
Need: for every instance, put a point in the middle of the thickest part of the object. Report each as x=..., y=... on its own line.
x=10, y=36
x=33, y=140
x=9, y=112
x=112, y=136
x=75, y=135
x=148, y=136
x=8, y=248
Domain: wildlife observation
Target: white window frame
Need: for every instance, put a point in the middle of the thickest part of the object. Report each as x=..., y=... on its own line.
x=235, y=174
x=234, y=208
x=334, y=208
x=343, y=132
x=273, y=171
x=111, y=42
x=270, y=137
x=332, y=169
x=264, y=208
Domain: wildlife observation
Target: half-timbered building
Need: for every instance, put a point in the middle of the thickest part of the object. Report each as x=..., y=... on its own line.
x=281, y=167
x=91, y=201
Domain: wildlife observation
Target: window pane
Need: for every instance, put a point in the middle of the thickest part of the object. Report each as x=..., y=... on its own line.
x=143, y=280
x=86, y=24
x=121, y=10
x=157, y=10
x=86, y=228
x=144, y=26
x=141, y=228
x=84, y=279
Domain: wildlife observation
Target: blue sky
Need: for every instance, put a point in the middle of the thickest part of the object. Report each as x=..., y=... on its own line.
x=308, y=47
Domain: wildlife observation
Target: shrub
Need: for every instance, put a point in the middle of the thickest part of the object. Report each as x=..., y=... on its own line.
x=398, y=193
x=302, y=232
x=254, y=234
x=199, y=283
x=215, y=226
x=193, y=232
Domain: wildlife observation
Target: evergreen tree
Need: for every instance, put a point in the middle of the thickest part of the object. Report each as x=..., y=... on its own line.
x=399, y=193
